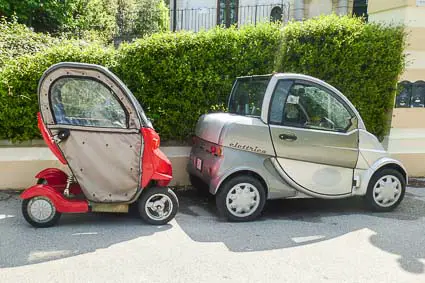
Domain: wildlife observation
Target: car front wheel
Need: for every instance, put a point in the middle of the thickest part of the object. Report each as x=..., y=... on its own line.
x=158, y=205
x=241, y=198
x=385, y=190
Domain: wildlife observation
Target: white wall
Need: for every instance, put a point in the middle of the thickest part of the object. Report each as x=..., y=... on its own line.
x=319, y=7
x=194, y=15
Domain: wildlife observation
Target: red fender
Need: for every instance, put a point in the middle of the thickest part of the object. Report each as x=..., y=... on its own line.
x=56, y=178
x=53, y=176
x=62, y=204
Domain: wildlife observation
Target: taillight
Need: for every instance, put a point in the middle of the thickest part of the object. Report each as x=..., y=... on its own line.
x=216, y=150
x=213, y=149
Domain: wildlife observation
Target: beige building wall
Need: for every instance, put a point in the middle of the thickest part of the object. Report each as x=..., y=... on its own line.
x=406, y=141
x=305, y=9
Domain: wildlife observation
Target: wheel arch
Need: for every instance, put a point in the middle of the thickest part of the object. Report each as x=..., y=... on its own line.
x=53, y=176
x=396, y=167
x=242, y=172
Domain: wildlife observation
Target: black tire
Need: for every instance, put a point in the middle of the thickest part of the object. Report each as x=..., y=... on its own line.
x=369, y=198
x=228, y=186
x=200, y=186
x=32, y=220
x=149, y=195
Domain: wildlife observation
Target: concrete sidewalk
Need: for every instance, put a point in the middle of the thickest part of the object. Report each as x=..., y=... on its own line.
x=19, y=165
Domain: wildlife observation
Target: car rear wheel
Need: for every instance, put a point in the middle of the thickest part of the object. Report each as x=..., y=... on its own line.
x=158, y=205
x=241, y=198
x=40, y=212
x=385, y=190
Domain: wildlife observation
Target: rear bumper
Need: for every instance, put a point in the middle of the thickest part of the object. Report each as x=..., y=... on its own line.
x=205, y=166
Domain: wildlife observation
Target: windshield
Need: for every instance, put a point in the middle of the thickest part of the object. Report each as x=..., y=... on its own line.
x=247, y=95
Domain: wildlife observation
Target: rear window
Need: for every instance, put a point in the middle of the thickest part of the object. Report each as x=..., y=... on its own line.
x=247, y=95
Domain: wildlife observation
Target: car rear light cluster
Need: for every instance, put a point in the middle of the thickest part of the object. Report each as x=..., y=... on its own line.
x=210, y=147
x=216, y=150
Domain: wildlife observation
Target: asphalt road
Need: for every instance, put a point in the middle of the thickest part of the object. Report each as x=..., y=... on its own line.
x=294, y=241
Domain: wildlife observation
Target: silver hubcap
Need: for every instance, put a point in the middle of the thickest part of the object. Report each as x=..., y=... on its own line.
x=242, y=200
x=41, y=209
x=159, y=207
x=387, y=191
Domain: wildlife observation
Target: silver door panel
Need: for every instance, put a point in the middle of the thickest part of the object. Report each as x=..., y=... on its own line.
x=301, y=191
x=319, y=178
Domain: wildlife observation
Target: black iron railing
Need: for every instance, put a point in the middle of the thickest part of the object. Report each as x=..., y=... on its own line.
x=207, y=18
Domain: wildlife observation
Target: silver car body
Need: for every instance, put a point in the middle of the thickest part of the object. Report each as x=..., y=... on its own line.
x=318, y=163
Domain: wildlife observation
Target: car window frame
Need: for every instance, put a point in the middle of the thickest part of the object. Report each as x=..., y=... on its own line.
x=126, y=112
x=312, y=84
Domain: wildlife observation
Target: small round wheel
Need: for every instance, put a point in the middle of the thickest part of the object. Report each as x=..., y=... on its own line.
x=385, y=190
x=241, y=198
x=40, y=212
x=158, y=205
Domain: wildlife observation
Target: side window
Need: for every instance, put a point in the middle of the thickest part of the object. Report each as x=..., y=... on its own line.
x=308, y=106
x=86, y=102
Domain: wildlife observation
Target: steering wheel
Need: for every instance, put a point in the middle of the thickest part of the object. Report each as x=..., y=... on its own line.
x=326, y=123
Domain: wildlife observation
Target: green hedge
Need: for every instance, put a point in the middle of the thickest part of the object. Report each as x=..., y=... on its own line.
x=362, y=60
x=17, y=39
x=179, y=76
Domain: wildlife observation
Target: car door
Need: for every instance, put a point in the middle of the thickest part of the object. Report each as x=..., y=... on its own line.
x=315, y=136
x=92, y=118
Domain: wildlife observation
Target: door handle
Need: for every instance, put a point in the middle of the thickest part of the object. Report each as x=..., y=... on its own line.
x=288, y=137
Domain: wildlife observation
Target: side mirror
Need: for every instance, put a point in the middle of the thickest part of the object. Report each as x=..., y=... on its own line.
x=352, y=124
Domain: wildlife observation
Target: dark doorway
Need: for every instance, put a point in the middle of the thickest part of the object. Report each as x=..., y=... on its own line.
x=360, y=9
x=276, y=14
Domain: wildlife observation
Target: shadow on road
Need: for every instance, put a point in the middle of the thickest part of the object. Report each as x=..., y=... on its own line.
x=21, y=244
x=284, y=224
x=290, y=223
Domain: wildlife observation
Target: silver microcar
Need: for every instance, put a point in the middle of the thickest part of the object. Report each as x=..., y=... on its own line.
x=290, y=136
